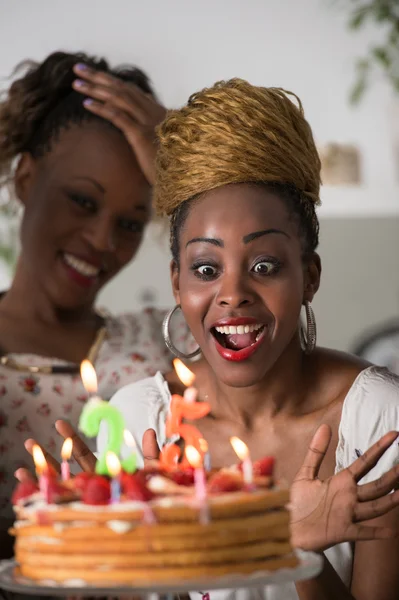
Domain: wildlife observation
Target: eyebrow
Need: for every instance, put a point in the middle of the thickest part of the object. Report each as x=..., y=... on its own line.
x=215, y=241
x=93, y=181
x=246, y=239
x=257, y=234
x=140, y=207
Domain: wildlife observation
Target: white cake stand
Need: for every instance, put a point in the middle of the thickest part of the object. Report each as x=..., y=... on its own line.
x=309, y=566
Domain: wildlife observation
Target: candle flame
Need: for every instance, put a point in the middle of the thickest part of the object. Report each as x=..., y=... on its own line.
x=66, y=449
x=203, y=444
x=113, y=464
x=129, y=439
x=38, y=459
x=239, y=447
x=89, y=377
x=184, y=374
x=193, y=456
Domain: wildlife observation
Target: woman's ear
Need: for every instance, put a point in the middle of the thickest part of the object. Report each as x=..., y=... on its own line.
x=24, y=176
x=312, y=277
x=174, y=276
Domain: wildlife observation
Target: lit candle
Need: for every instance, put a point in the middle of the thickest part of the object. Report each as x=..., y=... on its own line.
x=130, y=463
x=207, y=457
x=195, y=460
x=66, y=452
x=187, y=378
x=241, y=449
x=181, y=408
x=41, y=471
x=114, y=469
x=97, y=410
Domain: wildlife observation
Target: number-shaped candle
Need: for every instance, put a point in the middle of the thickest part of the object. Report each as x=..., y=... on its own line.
x=97, y=410
x=183, y=408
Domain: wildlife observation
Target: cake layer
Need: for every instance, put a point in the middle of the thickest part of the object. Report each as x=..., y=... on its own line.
x=170, y=509
x=206, y=556
x=151, y=575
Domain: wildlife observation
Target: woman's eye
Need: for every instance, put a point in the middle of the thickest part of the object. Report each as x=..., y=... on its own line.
x=131, y=226
x=84, y=202
x=204, y=271
x=265, y=267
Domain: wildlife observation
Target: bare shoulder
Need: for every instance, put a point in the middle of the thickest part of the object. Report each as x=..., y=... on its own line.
x=332, y=373
x=338, y=371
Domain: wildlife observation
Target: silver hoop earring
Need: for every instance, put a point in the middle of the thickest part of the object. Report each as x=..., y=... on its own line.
x=308, y=337
x=168, y=339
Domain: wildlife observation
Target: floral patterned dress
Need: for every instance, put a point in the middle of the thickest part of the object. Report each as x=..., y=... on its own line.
x=31, y=403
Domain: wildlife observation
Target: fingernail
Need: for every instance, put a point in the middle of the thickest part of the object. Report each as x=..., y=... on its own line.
x=82, y=67
x=88, y=102
x=79, y=82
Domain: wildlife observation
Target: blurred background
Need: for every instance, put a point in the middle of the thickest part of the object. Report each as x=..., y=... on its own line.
x=342, y=59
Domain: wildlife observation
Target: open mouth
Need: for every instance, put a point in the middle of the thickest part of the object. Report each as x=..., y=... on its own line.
x=80, y=270
x=238, y=342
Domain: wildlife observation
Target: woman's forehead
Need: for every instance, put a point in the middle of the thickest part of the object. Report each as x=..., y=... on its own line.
x=237, y=209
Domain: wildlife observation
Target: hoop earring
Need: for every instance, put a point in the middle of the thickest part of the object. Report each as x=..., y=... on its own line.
x=308, y=336
x=168, y=339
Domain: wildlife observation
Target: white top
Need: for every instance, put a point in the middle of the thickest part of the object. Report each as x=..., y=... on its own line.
x=370, y=409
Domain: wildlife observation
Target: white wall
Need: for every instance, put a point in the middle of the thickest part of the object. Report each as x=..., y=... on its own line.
x=302, y=45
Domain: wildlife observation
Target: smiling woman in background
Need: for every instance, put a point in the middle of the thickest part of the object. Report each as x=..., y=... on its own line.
x=83, y=171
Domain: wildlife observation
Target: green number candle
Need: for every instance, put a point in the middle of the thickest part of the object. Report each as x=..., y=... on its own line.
x=97, y=410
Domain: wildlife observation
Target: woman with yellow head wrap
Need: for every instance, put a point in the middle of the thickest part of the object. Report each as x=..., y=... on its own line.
x=239, y=176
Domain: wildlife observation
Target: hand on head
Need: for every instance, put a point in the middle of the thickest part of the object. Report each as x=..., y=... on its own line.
x=126, y=106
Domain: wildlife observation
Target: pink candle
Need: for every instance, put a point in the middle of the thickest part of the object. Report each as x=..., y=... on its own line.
x=242, y=451
x=66, y=453
x=41, y=471
x=195, y=460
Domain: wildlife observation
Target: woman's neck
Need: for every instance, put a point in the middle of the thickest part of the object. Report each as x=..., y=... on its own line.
x=280, y=392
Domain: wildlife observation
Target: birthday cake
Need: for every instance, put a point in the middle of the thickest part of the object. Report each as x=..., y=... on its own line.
x=158, y=531
x=176, y=521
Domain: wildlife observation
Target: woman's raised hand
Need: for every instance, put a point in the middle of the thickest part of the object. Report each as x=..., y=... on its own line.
x=325, y=513
x=126, y=106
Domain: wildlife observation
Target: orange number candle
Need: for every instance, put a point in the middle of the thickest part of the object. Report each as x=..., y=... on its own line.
x=181, y=408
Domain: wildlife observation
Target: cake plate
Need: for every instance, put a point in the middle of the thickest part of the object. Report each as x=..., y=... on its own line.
x=309, y=566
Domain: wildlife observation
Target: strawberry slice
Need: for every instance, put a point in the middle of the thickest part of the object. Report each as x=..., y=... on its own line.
x=24, y=490
x=182, y=477
x=225, y=482
x=81, y=480
x=264, y=466
x=56, y=491
x=135, y=487
x=97, y=491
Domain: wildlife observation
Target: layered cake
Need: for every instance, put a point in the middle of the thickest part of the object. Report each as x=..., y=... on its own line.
x=160, y=528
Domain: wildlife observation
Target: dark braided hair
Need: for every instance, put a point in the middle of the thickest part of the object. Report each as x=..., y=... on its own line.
x=41, y=103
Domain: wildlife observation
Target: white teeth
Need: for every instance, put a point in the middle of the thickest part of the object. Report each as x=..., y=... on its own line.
x=240, y=329
x=81, y=266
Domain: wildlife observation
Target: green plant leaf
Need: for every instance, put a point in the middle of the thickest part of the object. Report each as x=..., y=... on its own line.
x=381, y=55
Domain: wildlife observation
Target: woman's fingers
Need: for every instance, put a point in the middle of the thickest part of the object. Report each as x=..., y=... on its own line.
x=80, y=451
x=375, y=489
x=150, y=447
x=24, y=475
x=316, y=453
x=124, y=95
x=369, y=459
x=376, y=508
x=49, y=459
x=121, y=98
